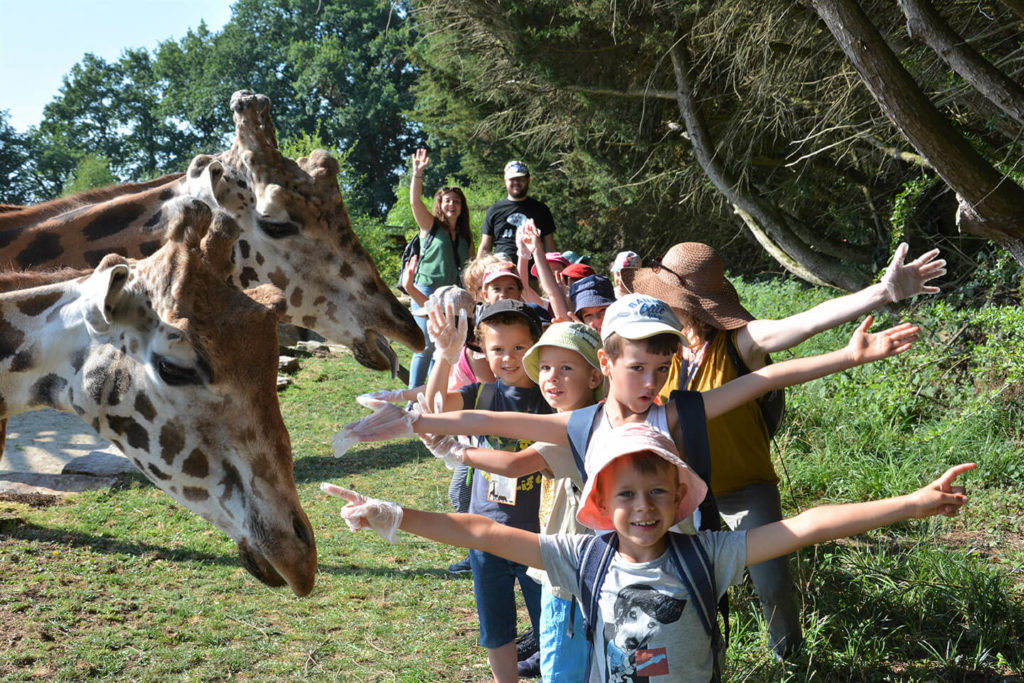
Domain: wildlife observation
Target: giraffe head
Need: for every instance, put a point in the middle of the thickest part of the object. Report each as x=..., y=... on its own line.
x=181, y=373
x=296, y=234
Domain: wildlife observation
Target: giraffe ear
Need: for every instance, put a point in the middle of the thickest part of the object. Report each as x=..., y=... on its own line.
x=101, y=294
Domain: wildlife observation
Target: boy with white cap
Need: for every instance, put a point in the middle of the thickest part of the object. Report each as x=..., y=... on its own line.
x=647, y=607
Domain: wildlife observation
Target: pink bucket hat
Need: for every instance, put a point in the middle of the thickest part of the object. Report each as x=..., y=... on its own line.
x=499, y=269
x=551, y=257
x=635, y=438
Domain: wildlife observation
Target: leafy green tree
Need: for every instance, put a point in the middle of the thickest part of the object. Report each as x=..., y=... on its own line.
x=335, y=68
x=92, y=171
x=14, y=152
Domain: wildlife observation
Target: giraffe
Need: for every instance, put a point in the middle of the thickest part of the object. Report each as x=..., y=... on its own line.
x=295, y=234
x=177, y=368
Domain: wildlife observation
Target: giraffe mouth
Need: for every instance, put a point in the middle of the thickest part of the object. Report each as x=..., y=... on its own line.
x=375, y=352
x=256, y=564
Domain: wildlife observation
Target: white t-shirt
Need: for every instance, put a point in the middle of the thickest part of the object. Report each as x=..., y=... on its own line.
x=648, y=625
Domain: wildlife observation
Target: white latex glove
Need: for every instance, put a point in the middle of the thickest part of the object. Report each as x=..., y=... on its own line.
x=904, y=280
x=527, y=238
x=446, y=448
x=387, y=421
x=448, y=332
x=361, y=512
x=387, y=395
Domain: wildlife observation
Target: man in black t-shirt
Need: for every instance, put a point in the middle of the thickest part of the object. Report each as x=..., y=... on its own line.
x=503, y=217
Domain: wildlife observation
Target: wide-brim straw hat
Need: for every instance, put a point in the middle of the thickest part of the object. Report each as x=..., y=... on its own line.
x=692, y=279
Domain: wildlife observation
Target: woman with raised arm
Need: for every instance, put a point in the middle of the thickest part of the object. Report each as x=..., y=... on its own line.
x=445, y=244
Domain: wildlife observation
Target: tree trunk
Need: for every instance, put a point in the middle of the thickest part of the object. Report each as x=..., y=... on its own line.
x=765, y=220
x=926, y=24
x=994, y=202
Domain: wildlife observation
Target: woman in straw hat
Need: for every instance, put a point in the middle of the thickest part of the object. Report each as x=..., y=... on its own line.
x=691, y=279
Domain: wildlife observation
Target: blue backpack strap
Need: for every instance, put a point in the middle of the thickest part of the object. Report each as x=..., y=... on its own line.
x=595, y=559
x=693, y=424
x=694, y=567
x=581, y=423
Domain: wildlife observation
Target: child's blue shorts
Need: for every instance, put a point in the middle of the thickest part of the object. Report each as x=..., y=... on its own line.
x=494, y=584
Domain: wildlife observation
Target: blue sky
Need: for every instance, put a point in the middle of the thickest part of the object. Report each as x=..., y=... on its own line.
x=41, y=40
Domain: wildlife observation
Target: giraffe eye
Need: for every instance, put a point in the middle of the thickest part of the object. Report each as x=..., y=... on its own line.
x=277, y=229
x=176, y=375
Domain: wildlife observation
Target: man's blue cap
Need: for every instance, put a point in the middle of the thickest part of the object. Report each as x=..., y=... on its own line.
x=593, y=290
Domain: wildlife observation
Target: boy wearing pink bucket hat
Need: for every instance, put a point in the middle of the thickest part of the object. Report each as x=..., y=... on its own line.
x=646, y=609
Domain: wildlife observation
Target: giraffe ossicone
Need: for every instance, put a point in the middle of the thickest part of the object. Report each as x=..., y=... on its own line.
x=178, y=369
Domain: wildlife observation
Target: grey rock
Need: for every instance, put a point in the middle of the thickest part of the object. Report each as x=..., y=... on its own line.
x=99, y=464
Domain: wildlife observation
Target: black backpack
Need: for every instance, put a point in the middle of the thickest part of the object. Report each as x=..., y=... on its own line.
x=772, y=404
x=413, y=248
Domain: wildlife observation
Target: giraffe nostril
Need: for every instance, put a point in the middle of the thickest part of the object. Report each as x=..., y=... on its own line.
x=302, y=531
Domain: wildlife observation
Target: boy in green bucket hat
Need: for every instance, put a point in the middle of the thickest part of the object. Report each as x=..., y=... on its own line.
x=564, y=364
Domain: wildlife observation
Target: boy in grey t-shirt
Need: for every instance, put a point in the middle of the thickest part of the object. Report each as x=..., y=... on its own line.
x=638, y=486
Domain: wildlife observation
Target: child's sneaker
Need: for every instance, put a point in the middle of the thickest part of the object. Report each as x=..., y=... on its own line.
x=460, y=567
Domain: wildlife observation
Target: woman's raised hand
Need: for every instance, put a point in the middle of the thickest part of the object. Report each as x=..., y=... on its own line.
x=420, y=161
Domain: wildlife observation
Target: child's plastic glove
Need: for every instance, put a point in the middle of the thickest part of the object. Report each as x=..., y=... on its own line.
x=527, y=238
x=903, y=280
x=387, y=421
x=448, y=332
x=386, y=395
x=446, y=448
x=361, y=512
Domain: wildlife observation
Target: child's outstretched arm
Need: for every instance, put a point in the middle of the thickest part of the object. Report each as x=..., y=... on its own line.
x=505, y=463
x=391, y=422
x=864, y=347
x=829, y=522
x=901, y=280
x=465, y=531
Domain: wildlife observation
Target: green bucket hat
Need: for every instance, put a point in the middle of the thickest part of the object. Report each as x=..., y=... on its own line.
x=577, y=337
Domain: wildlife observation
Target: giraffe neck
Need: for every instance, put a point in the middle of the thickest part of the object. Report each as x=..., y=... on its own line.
x=130, y=224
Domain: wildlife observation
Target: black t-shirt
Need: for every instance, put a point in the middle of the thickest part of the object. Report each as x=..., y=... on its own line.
x=524, y=514
x=505, y=216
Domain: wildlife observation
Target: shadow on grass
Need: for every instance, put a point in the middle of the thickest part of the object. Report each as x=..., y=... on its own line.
x=14, y=528
x=17, y=529
x=371, y=457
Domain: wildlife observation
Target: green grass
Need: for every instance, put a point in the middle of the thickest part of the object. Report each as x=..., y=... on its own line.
x=124, y=584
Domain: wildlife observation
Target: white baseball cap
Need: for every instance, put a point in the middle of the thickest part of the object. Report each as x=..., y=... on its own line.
x=625, y=259
x=636, y=316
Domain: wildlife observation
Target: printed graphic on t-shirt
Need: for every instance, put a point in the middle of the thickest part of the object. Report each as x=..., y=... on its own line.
x=501, y=489
x=513, y=222
x=635, y=642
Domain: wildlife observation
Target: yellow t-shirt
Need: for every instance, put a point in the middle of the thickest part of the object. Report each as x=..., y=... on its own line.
x=739, y=441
